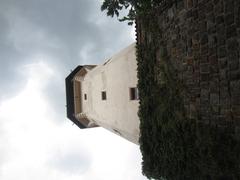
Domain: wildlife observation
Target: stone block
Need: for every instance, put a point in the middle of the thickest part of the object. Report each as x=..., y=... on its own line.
x=195, y=3
x=215, y=110
x=204, y=59
x=214, y=69
x=189, y=4
x=229, y=19
x=223, y=84
x=192, y=111
x=224, y=98
x=224, y=110
x=202, y=4
x=209, y=7
x=231, y=31
x=214, y=86
x=234, y=75
x=229, y=6
x=204, y=77
x=219, y=7
x=189, y=70
x=214, y=99
x=235, y=92
x=196, y=46
x=238, y=16
x=233, y=65
x=195, y=14
x=236, y=110
x=196, y=37
x=232, y=44
x=237, y=121
x=189, y=60
x=221, y=40
x=222, y=63
x=213, y=60
x=212, y=51
x=170, y=13
x=180, y=5
x=195, y=92
x=237, y=130
x=212, y=41
x=204, y=95
x=220, y=19
x=205, y=110
x=223, y=74
x=204, y=49
x=204, y=38
x=235, y=86
x=222, y=52
x=232, y=56
x=213, y=76
x=196, y=65
x=228, y=116
x=196, y=55
x=204, y=68
x=235, y=98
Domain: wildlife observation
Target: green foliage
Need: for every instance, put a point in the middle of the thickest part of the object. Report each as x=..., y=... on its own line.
x=173, y=146
x=134, y=7
x=114, y=6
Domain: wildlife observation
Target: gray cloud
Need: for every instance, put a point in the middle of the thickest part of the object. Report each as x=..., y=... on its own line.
x=9, y=61
x=3, y=149
x=67, y=32
x=72, y=162
x=74, y=25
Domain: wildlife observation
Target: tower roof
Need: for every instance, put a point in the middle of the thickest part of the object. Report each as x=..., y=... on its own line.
x=70, y=97
x=70, y=94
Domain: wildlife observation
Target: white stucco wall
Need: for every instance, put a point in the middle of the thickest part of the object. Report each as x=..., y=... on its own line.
x=118, y=111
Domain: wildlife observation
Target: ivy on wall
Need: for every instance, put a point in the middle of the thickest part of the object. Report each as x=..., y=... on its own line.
x=174, y=146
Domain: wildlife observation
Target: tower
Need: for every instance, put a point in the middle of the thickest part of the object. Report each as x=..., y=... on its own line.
x=106, y=95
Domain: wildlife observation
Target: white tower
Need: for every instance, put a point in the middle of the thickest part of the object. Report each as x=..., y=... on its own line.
x=106, y=95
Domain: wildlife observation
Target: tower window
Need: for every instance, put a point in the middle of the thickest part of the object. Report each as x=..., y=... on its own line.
x=133, y=93
x=85, y=96
x=104, y=95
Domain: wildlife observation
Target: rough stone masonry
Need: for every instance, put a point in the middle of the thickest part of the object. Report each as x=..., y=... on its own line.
x=202, y=38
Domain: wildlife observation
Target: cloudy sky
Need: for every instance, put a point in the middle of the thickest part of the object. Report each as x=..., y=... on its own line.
x=40, y=42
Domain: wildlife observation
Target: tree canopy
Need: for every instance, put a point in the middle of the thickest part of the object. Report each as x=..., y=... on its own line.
x=134, y=7
x=114, y=6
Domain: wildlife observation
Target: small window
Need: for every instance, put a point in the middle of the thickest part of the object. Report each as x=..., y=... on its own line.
x=133, y=93
x=104, y=95
x=85, y=96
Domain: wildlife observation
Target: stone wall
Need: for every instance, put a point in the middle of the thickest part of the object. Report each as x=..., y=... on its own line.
x=202, y=38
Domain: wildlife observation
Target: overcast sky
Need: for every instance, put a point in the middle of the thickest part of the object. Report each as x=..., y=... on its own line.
x=40, y=42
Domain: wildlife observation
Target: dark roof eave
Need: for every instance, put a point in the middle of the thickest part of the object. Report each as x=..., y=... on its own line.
x=70, y=97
